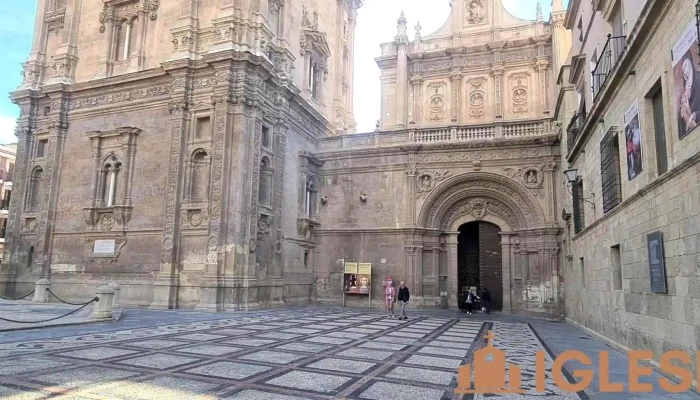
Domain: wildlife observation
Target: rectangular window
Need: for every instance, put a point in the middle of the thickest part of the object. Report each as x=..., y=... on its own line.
x=306, y=259
x=657, y=103
x=610, y=171
x=578, y=205
x=618, y=22
x=616, y=262
x=583, y=272
x=202, y=128
x=6, y=200
x=266, y=137
x=580, y=29
x=41, y=147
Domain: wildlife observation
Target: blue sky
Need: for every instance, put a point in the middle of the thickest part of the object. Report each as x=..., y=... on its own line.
x=376, y=24
x=16, y=29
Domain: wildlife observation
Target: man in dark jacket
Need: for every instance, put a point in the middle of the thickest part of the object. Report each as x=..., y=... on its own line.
x=486, y=297
x=402, y=297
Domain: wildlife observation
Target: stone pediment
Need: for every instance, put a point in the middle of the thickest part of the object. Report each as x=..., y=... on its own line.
x=312, y=40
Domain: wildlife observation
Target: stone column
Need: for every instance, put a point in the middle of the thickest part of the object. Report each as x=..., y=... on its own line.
x=456, y=78
x=452, y=271
x=107, y=30
x=497, y=72
x=436, y=270
x=401, y=41
x=541, y=67
x=401, y=83
x=507, y=273
x=352, y=21
x=417, y=82
x=414, y=268
x=166, y=285
x=136, y=55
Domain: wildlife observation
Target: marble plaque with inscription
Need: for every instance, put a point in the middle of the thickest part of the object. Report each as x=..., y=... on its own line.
x=104, y=246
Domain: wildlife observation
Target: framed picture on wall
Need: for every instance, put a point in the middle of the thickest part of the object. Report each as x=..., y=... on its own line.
x=686, y=79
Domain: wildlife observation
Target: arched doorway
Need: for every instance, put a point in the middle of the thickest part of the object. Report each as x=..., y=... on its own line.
x=479, y=261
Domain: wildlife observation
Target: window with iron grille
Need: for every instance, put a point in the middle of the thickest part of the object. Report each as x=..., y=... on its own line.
x=579, y=212
x=610, y=171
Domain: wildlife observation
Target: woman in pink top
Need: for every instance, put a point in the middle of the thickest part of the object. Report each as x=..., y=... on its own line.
x=390, y=297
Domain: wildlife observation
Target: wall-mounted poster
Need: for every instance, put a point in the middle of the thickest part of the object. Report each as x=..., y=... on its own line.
x=657, y=262
x=357, y=278
x=686, y=78
x=633, y=141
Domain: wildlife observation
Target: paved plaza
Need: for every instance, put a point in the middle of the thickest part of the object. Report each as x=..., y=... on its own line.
x=307, y=353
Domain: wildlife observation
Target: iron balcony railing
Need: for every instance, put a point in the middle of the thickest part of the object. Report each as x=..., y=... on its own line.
x=612, y=51
x=574, y=128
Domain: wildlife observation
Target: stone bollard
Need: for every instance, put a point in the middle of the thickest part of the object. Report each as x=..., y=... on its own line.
x=41, y=291
x=117, y=290
x=103, y=307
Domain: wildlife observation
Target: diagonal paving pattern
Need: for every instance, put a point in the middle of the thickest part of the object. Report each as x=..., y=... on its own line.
x=277, y=355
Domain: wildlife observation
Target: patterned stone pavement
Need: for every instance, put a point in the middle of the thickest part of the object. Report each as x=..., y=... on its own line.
x=284, y=355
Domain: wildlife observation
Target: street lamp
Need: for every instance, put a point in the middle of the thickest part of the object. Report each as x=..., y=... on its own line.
x=571, y=175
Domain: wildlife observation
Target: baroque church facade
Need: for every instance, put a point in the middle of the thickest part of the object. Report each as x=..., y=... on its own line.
x=203, y=154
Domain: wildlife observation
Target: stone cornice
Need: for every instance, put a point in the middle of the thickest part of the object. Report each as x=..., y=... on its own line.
x=504, y=143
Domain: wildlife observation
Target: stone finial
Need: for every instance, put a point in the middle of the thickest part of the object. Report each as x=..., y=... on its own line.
x=557, y=5
x=402, y=37
x=418, y=28
x=539, y=12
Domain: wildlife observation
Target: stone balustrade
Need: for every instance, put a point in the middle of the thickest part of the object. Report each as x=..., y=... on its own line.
x=427, y=136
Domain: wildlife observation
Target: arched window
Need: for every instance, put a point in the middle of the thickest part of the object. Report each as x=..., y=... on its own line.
x=35, y=189
x=200, y=175
x=265, y=184
x=110, y=179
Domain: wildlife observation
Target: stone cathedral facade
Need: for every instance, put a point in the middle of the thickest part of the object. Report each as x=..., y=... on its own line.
x=203, y=154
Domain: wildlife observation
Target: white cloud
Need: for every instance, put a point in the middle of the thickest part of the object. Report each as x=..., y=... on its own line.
x=376, y=24
x=7, y=129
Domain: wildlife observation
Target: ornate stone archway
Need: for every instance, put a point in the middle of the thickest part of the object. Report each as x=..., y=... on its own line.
x=487, y=197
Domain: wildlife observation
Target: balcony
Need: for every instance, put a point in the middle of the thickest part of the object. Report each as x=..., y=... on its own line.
x=574, y=128
x=611, y=54
x=450, y=134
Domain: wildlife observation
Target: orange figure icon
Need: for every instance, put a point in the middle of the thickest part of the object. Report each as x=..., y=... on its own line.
x=489, y=369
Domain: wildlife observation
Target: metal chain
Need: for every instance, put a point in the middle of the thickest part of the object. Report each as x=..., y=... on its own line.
x=23, y=297
x=65, y=302
x=52, y=319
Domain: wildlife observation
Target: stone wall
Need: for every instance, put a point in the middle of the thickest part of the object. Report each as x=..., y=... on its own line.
x=608, y=288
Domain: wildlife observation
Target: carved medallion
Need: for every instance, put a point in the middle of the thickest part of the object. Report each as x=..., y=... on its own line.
x=475, y=11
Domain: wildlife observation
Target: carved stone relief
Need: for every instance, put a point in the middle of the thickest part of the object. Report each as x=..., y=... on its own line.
x=530, y=177
x=519, y=84
x=436, y=101
x=427, y=181
x=475, y=11
x=477, y=101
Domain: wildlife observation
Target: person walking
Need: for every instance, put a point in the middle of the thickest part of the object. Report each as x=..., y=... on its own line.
x=390, y=297
x=486, y=297
x=403, y=297
x=470, y=302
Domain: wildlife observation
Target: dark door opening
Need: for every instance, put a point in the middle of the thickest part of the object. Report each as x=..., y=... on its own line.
x=479, y=261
